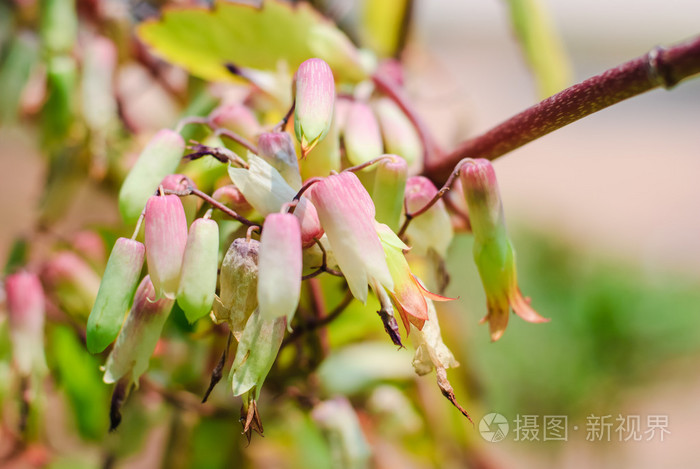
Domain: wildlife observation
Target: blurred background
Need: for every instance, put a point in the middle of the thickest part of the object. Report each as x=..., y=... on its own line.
x=604, y=215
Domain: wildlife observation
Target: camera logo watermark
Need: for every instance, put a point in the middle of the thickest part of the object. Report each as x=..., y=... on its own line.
x=494, y=427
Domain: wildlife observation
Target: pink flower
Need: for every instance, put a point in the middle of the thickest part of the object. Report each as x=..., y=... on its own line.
x=25, y=305
x=346, y=212
x=315, y=95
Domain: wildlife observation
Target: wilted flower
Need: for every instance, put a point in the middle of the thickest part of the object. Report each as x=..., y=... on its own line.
x=346, y=212
x=279, y=264
x=116, y=291
x=197, y=288
x=165, y=239
x=238, y=294
x=363, y=140
x=431, y=351
x=314, y=94
x=25, y=305
x=160, y=157
x=138, y=337
x=493, y=252
x=266, y=190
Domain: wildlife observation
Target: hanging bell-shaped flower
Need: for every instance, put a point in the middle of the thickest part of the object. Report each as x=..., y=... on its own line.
x=314, y=90
x=197, y=288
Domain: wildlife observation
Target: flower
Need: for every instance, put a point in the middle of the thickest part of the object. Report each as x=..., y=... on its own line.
x=277, y=149
x=26, y=311
x=279, y=267
x=315, y=94
x=197, y=286
x=165, y=235
x=346, y=212
x=363, y=140
x=493, y=252
x=115, y=293
x=399, y=134
x=388, y=190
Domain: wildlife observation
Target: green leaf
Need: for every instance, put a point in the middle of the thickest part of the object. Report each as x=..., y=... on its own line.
x=542, y=45
x=202, y=41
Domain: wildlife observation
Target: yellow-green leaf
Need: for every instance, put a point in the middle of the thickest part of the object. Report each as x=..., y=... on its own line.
x=542, y=45
x=203, y=40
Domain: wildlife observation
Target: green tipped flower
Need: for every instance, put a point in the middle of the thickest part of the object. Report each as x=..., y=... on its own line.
x=165, y=236
x=238, y=295
x=116, y=291
x=138, y=337
x=314, y=91
x=197, y=288
x=257, y=350
x=160, y=158
x=493, y=252
x=389, y=188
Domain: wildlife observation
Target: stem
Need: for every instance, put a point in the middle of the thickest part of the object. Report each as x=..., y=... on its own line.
x=213, y=202
x=660, y=67
x=366, y=164
x=223, y=155
x=236, y=138
x=317, y=323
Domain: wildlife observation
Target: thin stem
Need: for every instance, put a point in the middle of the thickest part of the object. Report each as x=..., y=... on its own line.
x=324, y=266
x=222, y=154
x=236, y=138
x=192, y=120
x=213, y=202
x=443, y=190
x=354, y=169
x=283, y=123
x=431, y=149
x=314, y=324
x=658, y=68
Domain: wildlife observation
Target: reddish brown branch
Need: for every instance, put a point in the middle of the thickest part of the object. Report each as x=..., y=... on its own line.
x=660, y=67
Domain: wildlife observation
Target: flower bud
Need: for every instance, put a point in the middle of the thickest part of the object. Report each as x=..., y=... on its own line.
x=73, y=283
x=279, y=278
x=160, y=157
x=399, y=134
x=26, y=310
x=346, y=212
x=389, y=188
x=197, y=288
x=266, y=190
x=91, y=247
x=238, y=291
x=432, y=229
x=138, y=337
x=493, y=252
x=314, y=88
x=233, y=198
x=116, y=291
x=236, y=118
x=277, y=149
x=256, y=352
x=165, y=239
x=363, y=140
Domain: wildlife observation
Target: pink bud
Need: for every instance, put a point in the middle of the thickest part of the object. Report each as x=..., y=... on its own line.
x=180, y=182
x=236, y=118
x=399, y=134
x=279, y=267
x=315, y=94
x=363, y=140
x=432, y=229
x=25, y=305
x=346, y=212
x=233, y=198
x=165, y=240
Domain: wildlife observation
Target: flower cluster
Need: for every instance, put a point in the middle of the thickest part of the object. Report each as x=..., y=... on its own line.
x=300, y=210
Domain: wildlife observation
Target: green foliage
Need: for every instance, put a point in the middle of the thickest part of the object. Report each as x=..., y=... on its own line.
x=203, y=41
